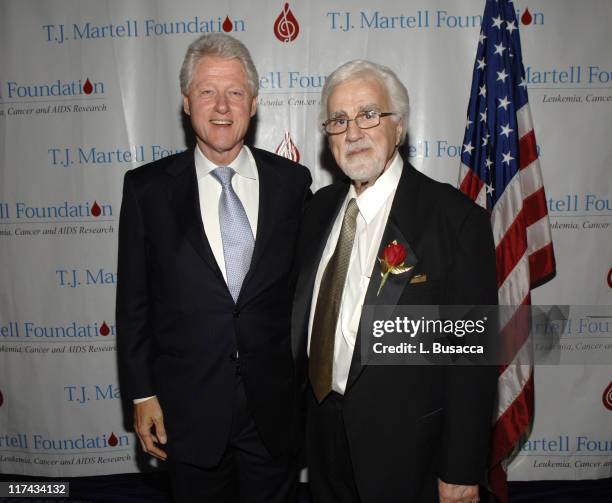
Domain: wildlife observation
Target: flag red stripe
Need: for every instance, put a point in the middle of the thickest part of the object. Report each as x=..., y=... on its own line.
x=511, y=248
x=515, y=333
x=541, y=265
x=507, y=432
x=534, y=207
x=498, y=484
x=528, y=151
x=471, y=185
x=510, y=427
x=526, y=302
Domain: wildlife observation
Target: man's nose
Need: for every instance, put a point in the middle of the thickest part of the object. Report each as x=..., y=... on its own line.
x=221, y=103
x=353, y=132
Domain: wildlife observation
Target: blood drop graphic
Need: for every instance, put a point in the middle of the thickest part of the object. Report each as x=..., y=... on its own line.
x=87, y=87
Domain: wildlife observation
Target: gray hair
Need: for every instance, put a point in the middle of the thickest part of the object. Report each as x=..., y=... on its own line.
x=362, y=69
x=222, y=46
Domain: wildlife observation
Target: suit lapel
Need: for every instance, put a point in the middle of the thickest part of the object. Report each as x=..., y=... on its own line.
x=402, y=226
x=322, y=223
x=184, y=199
x=265, y=214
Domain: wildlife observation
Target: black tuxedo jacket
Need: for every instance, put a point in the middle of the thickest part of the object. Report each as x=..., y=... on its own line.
x=408, y=425
x=177, y=324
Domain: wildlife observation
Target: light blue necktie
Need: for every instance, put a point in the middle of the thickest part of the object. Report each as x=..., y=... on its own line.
x=236, y=233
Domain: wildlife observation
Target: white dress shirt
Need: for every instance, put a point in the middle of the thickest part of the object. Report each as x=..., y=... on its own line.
x=374, y=207
x=246, y=185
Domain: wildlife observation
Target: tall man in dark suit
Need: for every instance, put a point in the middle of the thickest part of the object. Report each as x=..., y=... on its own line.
x=386, y=434
x=206, y=245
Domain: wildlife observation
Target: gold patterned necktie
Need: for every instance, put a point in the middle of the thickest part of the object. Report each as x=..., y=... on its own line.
x=323, y=333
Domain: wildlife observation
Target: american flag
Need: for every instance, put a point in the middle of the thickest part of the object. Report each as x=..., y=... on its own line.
x=501, y=172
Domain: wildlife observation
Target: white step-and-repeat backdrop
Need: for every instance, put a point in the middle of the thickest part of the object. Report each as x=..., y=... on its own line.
x=89, y=89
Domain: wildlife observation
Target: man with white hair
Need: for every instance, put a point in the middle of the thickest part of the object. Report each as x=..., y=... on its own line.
x=385, y=434
x=206, y=246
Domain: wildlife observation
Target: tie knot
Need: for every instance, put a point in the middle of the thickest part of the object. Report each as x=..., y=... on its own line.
x=223, y=175
x=352, y=210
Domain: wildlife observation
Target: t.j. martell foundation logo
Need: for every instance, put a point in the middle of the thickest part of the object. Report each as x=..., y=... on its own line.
x=286, y=27
x=1, y=399
x=607, y=397
x=287, y=149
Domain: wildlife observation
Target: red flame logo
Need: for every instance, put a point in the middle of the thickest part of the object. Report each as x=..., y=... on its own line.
x=104, y=330
x=1, y=399
x=87, y=87
x=610, y=278
x=526, y=18
x=112, y=440
x=607, y=397
x=227, y=25
x=95, y=209
x=287, y=149
x=286, y=27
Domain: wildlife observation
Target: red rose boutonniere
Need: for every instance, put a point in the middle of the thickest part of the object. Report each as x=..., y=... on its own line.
x=392, y=262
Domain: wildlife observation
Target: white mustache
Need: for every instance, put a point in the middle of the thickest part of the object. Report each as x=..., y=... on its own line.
x=361, y=144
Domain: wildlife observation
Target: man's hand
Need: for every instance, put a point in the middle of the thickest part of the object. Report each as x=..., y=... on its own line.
x=453, y=493
x=149, y=426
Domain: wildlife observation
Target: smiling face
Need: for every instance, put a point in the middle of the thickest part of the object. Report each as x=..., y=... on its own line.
x=220, y=105
x=363, y=154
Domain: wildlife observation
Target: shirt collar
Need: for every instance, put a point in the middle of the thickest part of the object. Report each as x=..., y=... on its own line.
x=371, y=200
x=243, y=164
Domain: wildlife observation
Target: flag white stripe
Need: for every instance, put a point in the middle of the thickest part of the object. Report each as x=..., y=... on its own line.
x=538, y=235
x=506, y=209
x=512, y=381
x=523, y=120
x=516, y=286
x=531, y=178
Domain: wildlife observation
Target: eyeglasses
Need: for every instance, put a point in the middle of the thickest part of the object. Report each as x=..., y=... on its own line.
x=364, y=120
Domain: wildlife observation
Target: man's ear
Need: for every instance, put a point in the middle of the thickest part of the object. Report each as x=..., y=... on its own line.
x=399, y=131
x=186, y=105
x=253, y=106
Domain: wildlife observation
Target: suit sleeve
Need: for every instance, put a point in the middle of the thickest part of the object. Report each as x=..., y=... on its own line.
x=470, y=389
x=134, y=339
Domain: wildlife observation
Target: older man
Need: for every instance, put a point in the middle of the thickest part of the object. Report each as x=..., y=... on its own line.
x=206, y=245
x=382, y=434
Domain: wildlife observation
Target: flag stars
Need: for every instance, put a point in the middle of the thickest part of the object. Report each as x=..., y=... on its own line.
x=481, y=63
x=483, y=116
x=502, y=75
x=485, y=140
x=497, y=22
x=481, y=38
x=507, y=157
x=506, y=130
x=483, y=91
x=468, y=123
x=499, y=48
x=489, y=163
x=503, y=103
x=468, y=148
x=523, y=83
x=490, y=189
x=511, y=27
